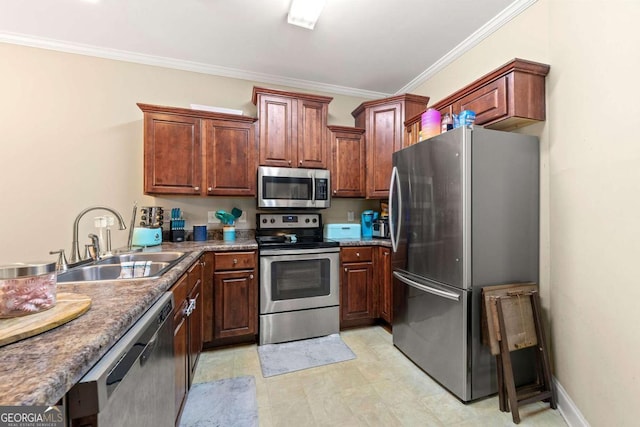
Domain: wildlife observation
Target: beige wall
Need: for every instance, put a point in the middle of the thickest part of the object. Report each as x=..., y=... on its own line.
x=71, y=137
x=590, y=186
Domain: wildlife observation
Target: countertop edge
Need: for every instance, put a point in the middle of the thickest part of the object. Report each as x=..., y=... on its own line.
x=59, y=363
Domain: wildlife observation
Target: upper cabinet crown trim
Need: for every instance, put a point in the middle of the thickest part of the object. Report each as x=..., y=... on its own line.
x=307, y=96
x=404, y=97
x=201, y=114
x=517, y=64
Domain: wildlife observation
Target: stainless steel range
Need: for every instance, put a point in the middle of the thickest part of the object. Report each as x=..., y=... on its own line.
x=299, y=282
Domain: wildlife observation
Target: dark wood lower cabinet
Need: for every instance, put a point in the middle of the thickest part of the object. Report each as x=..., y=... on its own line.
x=385, y=284
x=236, y=303
x=230, y=298
x=357, y=296
x=195, y=317
x=187, y=331
x=365, y=286
x=180, y=340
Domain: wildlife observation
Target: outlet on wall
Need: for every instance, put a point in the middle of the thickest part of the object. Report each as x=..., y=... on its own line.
x=243, y=217
x=211, y=218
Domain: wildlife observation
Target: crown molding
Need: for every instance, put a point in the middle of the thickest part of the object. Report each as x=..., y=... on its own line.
x=513, y=10
x=198, y=67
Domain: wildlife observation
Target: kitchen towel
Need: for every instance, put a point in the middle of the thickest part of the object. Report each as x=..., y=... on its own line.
x=227, y=402
x=277, y=359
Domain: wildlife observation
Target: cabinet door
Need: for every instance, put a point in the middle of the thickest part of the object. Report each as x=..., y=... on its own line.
x=207, y=297
x=348, y=164
x=357, y=298
x=384, y=136
x=180, y=342
x=172, y=154
x=230, y=158
x=236, y=302
x=311, y=135
x=195, y=317
x=489, y=102
x=276, y=118
x=385, y=284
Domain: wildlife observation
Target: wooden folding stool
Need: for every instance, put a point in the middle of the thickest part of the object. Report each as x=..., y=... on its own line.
x=512, y=321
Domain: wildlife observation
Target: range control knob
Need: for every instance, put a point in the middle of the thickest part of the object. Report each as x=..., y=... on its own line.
x=272, y=220
x=315, y=220
x=306, y=220
x=264, y=220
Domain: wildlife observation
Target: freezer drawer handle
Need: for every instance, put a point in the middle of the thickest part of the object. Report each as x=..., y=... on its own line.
x=421, y=287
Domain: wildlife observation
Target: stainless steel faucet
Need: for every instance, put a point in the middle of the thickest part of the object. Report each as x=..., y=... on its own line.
x=75, y=248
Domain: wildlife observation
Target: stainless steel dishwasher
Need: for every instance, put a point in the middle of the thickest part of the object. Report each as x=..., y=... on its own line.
x=133, y=384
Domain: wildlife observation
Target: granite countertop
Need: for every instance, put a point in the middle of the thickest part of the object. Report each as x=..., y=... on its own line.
x=41, y=369
x=374, y=241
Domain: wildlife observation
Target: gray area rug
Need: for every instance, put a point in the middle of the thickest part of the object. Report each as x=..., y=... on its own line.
x=276, y=359
x=227, y=402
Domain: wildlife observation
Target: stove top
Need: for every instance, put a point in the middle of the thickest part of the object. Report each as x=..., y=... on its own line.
x=291, y=231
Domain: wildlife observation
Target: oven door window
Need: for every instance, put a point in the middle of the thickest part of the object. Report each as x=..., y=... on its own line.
x=287, y=188
x=300, y=279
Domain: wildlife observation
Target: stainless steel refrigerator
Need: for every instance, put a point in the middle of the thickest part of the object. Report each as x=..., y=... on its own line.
x=464, y=213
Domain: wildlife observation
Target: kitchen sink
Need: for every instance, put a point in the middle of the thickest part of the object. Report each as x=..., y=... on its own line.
x=130, y=266
x=168, y=256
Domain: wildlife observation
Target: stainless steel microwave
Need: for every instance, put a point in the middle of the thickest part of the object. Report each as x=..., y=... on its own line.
x=293, y=188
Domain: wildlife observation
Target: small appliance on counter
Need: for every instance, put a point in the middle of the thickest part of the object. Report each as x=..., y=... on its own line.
x=368, y=217
x=176, y=226
x=149, y=233
x=341, y=231
x=381, y=228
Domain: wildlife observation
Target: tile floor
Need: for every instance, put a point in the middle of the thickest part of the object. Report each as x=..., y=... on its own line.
x=381, y=387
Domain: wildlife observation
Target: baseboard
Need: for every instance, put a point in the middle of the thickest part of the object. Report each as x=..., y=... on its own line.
x=567, y=408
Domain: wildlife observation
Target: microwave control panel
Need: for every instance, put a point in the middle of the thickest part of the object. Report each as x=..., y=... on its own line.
x=322, y=189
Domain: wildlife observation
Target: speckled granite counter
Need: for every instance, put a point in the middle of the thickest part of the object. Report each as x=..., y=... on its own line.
x=364, y=242
x=41, y=369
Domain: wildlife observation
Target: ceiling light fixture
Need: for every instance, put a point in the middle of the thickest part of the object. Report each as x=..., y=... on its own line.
x=305, y=13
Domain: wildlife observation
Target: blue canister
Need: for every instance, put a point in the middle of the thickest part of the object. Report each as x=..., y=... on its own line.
x=229, y=233
x=199, y=233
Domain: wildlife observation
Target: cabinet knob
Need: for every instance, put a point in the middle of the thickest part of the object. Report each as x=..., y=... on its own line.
x=196, y=188
x=345, y=269
x=251, y=276
x=210, y=189
x=335, y=191
x=358, y=254
x=235, y=260
x=289, y=161
x=300, y=161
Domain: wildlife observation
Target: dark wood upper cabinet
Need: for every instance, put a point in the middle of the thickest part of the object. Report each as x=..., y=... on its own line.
x=230, y=163
x=510, y=96
x=168, y=137
x=383, y=121
x=193, y=152
x=347, y=161
x=292, y=128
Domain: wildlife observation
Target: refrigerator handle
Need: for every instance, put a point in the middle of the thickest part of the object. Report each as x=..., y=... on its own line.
x=394, y=234
x=424, y=288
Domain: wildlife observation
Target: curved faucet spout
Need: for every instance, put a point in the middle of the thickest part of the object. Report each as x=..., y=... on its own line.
x=75, y=247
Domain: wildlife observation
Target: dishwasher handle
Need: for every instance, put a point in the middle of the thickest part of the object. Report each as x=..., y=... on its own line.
x=425, y=288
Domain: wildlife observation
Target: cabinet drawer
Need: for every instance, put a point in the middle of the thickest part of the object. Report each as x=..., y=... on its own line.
x=360, y=253
x=489, y=102
x=234, y=260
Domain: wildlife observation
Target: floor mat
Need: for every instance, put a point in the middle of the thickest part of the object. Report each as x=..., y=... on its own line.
x=276, y=359
x=227, y=402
